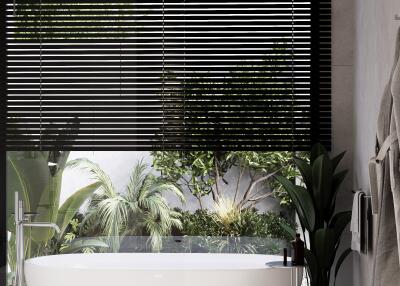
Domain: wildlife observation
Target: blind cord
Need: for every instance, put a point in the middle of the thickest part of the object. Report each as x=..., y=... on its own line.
x=292, y=78
x=40, y=75
x=163, y=76
x=184, y=74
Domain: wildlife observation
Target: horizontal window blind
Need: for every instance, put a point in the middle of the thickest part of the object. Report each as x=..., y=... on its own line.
x=167, y=75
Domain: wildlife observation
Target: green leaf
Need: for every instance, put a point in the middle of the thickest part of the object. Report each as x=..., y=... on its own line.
x=73, y=203
x=312, y=265
x=15, y=183
x=302, y=201
x=43, y=189
x=324, y=240
x=305, y=170
x=336, y=160
x=340, y=261
x=81, y=243
x=287, y=228
x=322, y=181
x=339, y=223
x=337, y=180
x=317, y=150
x=10, y=278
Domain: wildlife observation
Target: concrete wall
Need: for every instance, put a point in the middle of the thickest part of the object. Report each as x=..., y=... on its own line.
x=118, y=165
x=374, y=51
x=342, y=109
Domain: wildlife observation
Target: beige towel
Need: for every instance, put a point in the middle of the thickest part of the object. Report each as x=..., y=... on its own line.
x=356, y=221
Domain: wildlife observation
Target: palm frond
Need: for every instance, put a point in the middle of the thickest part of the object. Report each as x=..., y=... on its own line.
x=175, y=218
x=137, y=178
x=156, y=231
x=161, y=187
x=142, y=209
x=106, y=190
x=113, y=214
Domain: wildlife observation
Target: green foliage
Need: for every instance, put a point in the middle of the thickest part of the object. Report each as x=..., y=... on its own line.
x=70, y=207
x=315, y=205
x=10, y=278
x=141, y=210
x=37, y=176
x=248, y=223
x=245, y=232
x=194, y=170
x=39, y=185
x=70, y=235
x=198, y=171
x=71, y=243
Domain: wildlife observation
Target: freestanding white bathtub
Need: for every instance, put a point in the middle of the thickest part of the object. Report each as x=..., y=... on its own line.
x=157, y=269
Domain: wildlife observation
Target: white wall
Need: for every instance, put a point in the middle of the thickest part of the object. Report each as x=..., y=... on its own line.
x=374, y=52
x=118, y=166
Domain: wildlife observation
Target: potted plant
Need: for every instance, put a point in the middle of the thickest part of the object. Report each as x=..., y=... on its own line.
x=314, y=200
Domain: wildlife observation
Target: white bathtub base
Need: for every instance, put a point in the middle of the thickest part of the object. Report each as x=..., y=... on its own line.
x=153, y=269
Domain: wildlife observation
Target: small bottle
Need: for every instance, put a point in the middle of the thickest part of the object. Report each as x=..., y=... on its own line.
x=285, y=257
x=298, y=251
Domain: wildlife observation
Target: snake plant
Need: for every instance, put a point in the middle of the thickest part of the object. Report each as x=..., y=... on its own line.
x=315, y=200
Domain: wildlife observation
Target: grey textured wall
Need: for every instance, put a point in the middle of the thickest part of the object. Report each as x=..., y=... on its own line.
x=374, y=51
x=342, y=109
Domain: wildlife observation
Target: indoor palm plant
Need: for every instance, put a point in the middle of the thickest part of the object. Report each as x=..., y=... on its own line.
x=314, y=200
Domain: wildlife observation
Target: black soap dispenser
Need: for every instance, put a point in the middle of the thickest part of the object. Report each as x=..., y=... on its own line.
x=297, y=251
x=285, y=257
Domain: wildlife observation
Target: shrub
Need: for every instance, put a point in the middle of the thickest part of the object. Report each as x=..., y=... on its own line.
x=250, y=223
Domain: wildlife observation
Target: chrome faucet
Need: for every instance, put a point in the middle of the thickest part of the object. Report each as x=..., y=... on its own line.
x=21, y=221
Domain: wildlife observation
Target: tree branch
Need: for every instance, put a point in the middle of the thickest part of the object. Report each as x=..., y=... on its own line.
x=260, y=198
x=241, y=171
x=254, y=183
x=217, y=177
x=188, y=185
x=200, y=203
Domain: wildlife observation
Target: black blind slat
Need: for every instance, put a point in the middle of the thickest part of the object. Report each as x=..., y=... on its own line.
x=168, y=75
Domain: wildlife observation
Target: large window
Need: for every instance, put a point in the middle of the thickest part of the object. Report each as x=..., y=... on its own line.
x=146, y=75
x=116, y=111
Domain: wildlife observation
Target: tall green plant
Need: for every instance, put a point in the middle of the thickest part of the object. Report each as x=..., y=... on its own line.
x=37, y=176
x=142, y=209
x=314, y=201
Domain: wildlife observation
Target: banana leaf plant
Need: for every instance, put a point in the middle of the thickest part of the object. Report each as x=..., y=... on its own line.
x=315, y=200
x=37, y=176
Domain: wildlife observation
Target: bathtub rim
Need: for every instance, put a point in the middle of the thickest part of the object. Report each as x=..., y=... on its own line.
x=260, y=263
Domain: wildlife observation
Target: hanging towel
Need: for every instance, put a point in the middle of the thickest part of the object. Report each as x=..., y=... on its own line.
x=356, y=221
x=385, y=183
